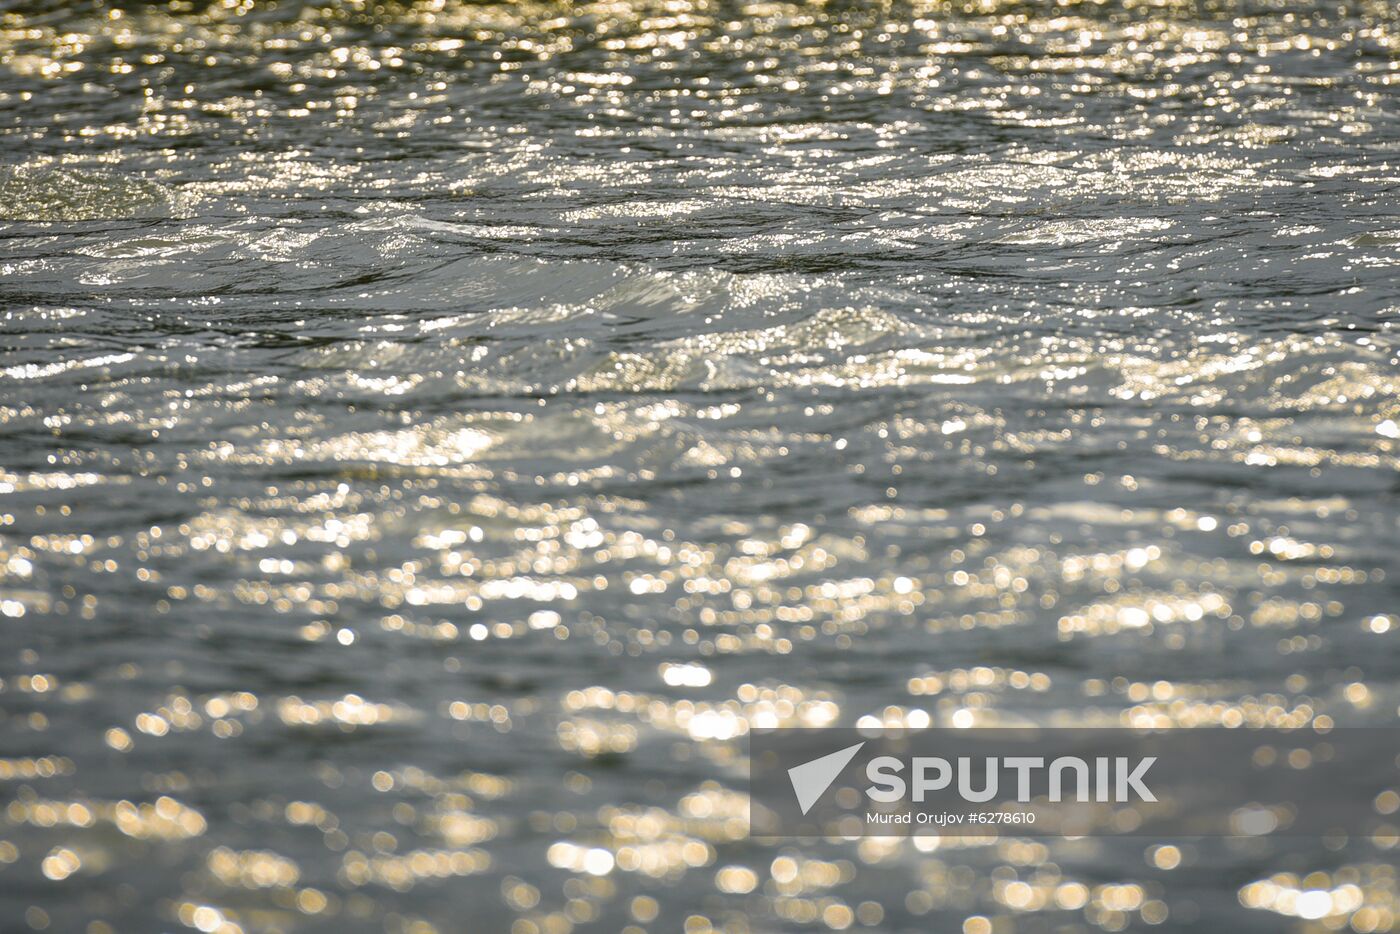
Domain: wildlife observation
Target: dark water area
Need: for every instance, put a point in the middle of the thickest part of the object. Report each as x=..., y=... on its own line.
x=432, y=434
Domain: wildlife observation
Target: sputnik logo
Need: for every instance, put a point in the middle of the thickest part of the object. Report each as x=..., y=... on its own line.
x=810, y=780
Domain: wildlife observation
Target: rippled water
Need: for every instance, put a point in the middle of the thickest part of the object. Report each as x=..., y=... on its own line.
x=430, y=434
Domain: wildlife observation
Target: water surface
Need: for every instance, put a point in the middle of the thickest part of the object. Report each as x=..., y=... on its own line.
x=430, y=434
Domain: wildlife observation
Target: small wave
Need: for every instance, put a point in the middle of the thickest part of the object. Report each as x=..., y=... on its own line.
x=32, y=193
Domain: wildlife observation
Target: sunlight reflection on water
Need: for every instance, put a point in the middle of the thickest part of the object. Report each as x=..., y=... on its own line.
x=434, y=433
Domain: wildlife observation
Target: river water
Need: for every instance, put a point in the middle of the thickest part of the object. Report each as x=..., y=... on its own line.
x=431, y=434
